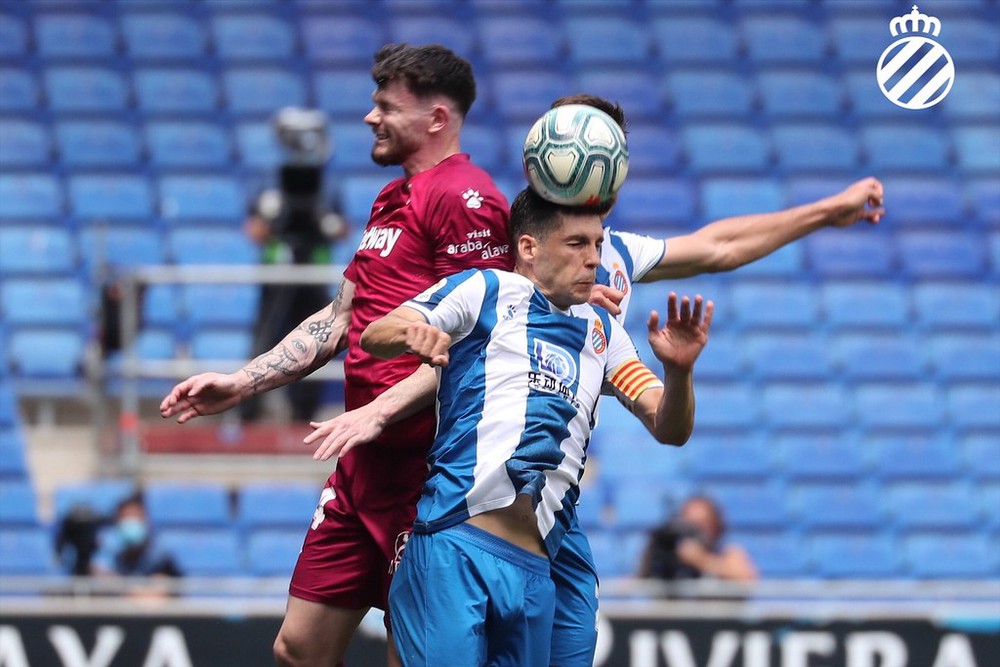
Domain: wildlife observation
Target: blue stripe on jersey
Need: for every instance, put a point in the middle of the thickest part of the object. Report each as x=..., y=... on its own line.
x=603, y=275
x=622, y=249
x=436, y=293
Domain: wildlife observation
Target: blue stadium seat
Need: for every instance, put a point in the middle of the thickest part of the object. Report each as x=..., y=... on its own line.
x=850, y=305
x=344, y=92
x=628, y=454
x=156, y=344
x=960, y=356
x=785, y=262
x=13, y=37
x=18, y=504
x=638, y=506
x=18, y=90
x=70, y=35
x=956, y=305
x=8, y=405
x=272, y=552
x=729, y=455
x=252, y=37
x=725, y=197
x=978, y=148
x=453, y=34
x=974, y=406
x=25, y=143
x=161, y=305
x=524, y=41
x=930, y=255
x=176, y=504
x=816, y=148
x=972, y=41
x=694, y=40
x=800, y=94
x=163, y=36
x=341, y=39
x=704, y=93
x=843, y=506
x=358, y=194
x=108, y=249
x=987, y=494
x=725, y=148
x=783, y=39
x=852, y=253
x=727, y=405
x=879, y=356
x=975, y=96
x=110, y=197
x=810, y=405
x=776, y=554
x=204, y=552
x=12, y=460
x=606, y=40
x=778, y=356
x=913, y=405
x=527, y=94
x=653, y=150
x=867, y=101
x=897, y=147
x=24, y=196
x=930, y=505
x=912, y=456
x=258, y=147
x=590, y=510
x=46, y=353
x=188, y=145
x=725, y=360
x=207, y=198
x=859, y=41
x=193, y=245
x=27, y=552
x=819, y=454
x=983, y=196
x=262, y=90
x=97, y=144
x=950, y=556
x=228, y=305
x=654, y=202
x=352, y=147
x=85, y=89
x=44, y=301
x=277, y=505
x=980, y=453
x=606, y=546
x=101, y=495
x=629, y=88
x=214, y=343
x=38, y=249
x=750, y=505
x=775, y=304
x=484, y=146
x=854, y=555
x=175, y=91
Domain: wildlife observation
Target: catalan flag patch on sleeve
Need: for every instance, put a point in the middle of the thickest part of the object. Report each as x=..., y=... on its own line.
x=632, y=378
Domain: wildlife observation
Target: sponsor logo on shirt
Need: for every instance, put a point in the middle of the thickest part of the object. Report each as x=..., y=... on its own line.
x=619, y=281
x=380, y=238
x=557, y=370
x=598, y=338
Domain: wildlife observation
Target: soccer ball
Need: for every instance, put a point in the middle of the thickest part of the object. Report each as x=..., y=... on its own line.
x=576, y=155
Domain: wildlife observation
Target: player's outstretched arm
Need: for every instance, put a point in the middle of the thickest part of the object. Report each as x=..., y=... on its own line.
x=346, y=431
x=730, y=243
x=403, y=331
x=669, y=412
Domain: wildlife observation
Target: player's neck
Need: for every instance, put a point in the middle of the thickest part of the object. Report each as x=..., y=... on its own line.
x=430, y=156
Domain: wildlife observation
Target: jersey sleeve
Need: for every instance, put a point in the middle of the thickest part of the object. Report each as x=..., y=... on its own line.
x=469, y=230
x=645, y=252
x=452, y=304
x=626, y=376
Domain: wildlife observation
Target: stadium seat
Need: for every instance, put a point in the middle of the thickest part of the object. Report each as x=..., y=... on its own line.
x=155, y=344
x=9, y=415
x=18, y=504
x=194, y=245
x=25, y=143
x=775, y=304
x=907, y=455
x=783, y=39
x=521, y=41
x=973, y=41
x=930, y=255
x=29, y=196
x=39, y=249
x=272, y=552
x=776, y=554
x=176, y=504
x=843, y=506
x=899, y=147
x=950, y=556
x=725, y=197
x=629, y=88
x=74, y=36
x=228, y=305
x=110, y=197
x=484, y=147
x=820, y=455
x=18, y=90
x=878, y=356
x=725, y=148
x=815, y=148
x=606, y=40
x=725, y=360
x=930, y=505
x=854, y=556
x=341, y=39
x=956, y=305
x=163, y=36
x=85, y=89
x=258, y=147
x=175, y=91
x=590, y=510
x=638, y=507
x=252, y=37
x=727, y=405
x=27, y=552
x=704, y=93
x=606, y=546
x=850, y=305
x=927, y=201
x=794, y=94
x=653, y=151
x=352, y=143
x=975, y=96
x=527, y=94
x=980, y=453
x=775, y=356
x=854, y=253
x=974, y=406
x=914, y=405
x=344, y=92
x=189, y=144
x=433, y=30
x=46, y=353
x=217, y=343
x=358, y=194
x=960, y=356
x=694, y=40
x=859, y=41
x=31, y=301
x=13, y=37
x=866, y=99
x=204, y=552
x=275, y=505
x=729, y=455
x=813, y=405
x=202, y=198
x=654, y=202
x=12, y=459
x=983, y=196
x=101, y=495
x=105, y=250
x=978, y=149
x=161, y=305
x=263, y=90
x=97, y=144
x=786, y=262
x=750, y=505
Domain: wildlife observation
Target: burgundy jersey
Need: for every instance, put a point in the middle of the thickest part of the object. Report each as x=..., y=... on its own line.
x=436, y=223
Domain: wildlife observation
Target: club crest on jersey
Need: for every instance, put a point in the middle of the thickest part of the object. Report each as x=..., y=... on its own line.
x=429, y=292
x=555, y=361
x=619, y=281
x=598, y=338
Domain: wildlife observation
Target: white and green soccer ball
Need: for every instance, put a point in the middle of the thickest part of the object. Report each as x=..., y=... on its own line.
x=576, y=155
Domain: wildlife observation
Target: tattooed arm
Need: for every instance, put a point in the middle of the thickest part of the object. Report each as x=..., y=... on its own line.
x=309, y=346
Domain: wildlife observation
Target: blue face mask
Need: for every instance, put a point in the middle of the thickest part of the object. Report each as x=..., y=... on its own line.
x=132, y=531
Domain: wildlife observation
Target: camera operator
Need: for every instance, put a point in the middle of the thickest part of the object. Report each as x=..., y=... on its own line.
x=294, y=224
x=690, y=546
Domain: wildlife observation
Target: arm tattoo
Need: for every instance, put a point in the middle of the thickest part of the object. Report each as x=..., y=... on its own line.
x=281, y=361
x=320, y=330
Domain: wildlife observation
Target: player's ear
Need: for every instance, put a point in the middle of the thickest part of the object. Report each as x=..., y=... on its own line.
x=527, y=247
x=440, y=117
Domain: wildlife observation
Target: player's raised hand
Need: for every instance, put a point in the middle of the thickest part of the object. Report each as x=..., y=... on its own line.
x=682, y=338
x=203, y=394
x=344, y=432
x=863, y=200
x=607, y=298
x=428, y=342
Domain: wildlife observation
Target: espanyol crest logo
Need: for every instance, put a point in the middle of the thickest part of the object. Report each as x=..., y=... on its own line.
x=915, y=72
x=555, y=361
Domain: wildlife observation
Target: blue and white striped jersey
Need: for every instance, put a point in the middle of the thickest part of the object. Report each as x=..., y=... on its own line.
x=625, y=259
x=517, y=401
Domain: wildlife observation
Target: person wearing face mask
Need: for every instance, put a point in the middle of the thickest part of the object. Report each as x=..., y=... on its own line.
x=129, y=549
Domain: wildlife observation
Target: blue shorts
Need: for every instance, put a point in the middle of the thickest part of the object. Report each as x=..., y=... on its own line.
x=462, y=596
x=574, y=628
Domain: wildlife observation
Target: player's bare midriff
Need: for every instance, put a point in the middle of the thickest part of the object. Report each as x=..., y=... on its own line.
x=515, y=523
